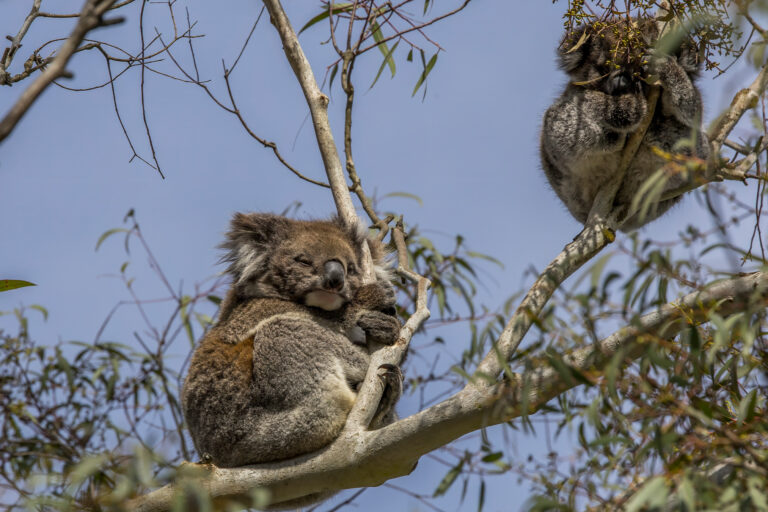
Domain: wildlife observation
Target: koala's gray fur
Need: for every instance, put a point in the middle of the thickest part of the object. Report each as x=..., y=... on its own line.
x=585, y=130
x=276, y=377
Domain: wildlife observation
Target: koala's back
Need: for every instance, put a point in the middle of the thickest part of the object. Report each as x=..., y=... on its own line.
x=578, y=178
x=269, y=357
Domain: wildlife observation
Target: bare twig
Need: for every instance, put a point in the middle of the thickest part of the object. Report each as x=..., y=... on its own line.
x=371, y=389
x=90, y=18
x=143, y=65
x=318, y=107
x=16, y=41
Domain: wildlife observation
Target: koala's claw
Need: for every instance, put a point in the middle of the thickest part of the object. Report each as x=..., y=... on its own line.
x=392, y=378
x=390, y=371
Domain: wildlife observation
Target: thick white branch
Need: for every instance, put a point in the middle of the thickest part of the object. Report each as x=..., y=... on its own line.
x=742, y=101
x=586, y=245
x=318, y=108
x=368, y=458
x=370, y=392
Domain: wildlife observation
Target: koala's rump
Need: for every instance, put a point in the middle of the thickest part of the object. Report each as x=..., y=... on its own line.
x=293, y=399
x=578, y=182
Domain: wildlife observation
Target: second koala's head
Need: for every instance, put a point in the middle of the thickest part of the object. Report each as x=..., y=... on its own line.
x=610, y=56
x=316, y=263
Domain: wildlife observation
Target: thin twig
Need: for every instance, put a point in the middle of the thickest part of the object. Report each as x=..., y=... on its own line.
x=90, y=18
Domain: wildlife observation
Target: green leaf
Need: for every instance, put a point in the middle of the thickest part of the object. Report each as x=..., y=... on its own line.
x=448, y=479
x=406, y=195
x=747, y=407
x=86, y=468
x=41, y=309
x=386, y=52
x=687, y=493
x=653, y=493
x=424, y=73
x=479, y=255
x=387, y=60
x=757, y=495
x=333, y=75
x=183, y=303
x=12, y=284
x=107, y=234
x=493, y=457
x=335, y=9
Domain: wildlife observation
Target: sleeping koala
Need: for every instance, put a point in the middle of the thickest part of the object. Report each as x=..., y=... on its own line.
x=278, y=373
x=586, y=128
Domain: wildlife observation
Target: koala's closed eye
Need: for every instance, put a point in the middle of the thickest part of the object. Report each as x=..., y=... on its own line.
x=303, y=260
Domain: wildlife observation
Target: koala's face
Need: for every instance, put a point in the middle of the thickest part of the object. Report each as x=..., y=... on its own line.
x=318, y=266
x=604, y=60
x=316, y=263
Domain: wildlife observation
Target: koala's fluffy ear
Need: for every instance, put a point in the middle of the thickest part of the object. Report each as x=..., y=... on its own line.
x=248, y=242
x=573, y=49
x=359, y=235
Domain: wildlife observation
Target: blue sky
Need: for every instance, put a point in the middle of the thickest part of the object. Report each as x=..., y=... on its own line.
x=469, y=150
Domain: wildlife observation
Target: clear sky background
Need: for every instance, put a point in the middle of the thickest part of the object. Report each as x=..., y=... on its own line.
x=469, y=150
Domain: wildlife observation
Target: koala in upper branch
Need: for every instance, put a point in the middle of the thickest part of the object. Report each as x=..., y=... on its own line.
x=278, y=373
x=586, y=128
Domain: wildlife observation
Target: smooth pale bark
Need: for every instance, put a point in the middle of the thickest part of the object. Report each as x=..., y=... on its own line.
x=369, y=458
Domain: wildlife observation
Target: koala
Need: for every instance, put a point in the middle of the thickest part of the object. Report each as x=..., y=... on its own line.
x=278, y=373
x=585, y=130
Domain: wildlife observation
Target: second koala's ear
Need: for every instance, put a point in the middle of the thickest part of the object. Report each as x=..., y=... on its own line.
x=250, y=238
x=573, y=49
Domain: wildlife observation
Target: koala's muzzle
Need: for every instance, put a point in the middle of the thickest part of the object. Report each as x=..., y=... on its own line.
x=333, y=275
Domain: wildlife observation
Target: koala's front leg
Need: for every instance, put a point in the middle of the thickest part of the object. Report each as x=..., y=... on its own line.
x=679, y=98
x=374, y=313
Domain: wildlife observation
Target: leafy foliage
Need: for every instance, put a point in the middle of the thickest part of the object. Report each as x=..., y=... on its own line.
x=708, y=21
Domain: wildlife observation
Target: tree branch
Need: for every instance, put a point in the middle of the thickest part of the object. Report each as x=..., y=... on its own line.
x=318, y=108
x=366, y=458
x=371, y=390
x=597, y=233
x=743, y=100
x=90, y=18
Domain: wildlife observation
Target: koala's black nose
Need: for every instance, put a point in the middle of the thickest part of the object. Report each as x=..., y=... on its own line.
x=618, y=84
x=334, y=275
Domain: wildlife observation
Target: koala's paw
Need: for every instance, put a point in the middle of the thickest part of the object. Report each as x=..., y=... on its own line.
x=392, y=379
x=376, y=296
x=666, y=67
x=379, y=327
x=653, y=63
